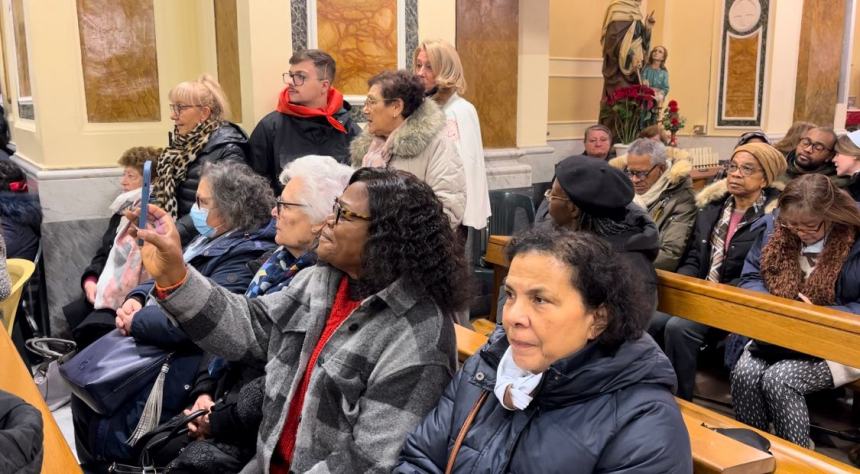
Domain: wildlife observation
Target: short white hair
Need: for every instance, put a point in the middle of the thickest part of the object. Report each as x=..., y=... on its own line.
x=324, y=180
x=651, y=148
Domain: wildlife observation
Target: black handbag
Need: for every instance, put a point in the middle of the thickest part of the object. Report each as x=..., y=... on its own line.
x=149, y=444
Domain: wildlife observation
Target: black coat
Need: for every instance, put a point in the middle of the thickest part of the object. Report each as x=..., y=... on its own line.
x=595, y=411
x=280, y=138
x=20, y=436
x=229, y=142
x=21, y=219
x=696, y=261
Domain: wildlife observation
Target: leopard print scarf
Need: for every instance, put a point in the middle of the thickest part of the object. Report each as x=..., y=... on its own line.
x=780, y=266
x=174, y=160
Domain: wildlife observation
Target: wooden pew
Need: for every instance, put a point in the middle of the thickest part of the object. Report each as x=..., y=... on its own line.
x=813, y=330
x=16, y=379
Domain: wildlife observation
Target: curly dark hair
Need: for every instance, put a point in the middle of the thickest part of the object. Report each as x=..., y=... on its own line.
x=598, y=274
x=401, y=85
x=410, y=236
x=243, y=197
x=136, y=156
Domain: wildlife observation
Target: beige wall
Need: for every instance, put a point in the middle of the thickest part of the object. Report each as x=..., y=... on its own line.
x=854, y=77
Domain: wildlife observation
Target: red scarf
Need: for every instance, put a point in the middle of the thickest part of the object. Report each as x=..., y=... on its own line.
x=334, y=102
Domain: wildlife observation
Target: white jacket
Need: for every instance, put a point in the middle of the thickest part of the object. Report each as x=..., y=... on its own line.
x=465, y=131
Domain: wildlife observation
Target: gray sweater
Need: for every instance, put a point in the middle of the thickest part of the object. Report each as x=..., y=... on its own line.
x=382, y=370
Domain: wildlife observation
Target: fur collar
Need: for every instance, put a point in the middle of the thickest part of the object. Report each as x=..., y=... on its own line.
x=717, y=191
x=411, y=139
x=677, y=173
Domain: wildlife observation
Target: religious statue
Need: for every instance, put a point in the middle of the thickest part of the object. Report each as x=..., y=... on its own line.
x=655, y=75
x=625, y=39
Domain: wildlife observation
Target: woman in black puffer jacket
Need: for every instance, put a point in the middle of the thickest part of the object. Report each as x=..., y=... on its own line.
x=570, y=384
x=202, y=134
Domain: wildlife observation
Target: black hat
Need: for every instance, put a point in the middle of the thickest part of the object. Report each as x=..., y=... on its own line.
x=593, y=186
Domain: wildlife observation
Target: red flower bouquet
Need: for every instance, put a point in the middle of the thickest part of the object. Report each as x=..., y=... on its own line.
x=630, y=110
x=672, y=122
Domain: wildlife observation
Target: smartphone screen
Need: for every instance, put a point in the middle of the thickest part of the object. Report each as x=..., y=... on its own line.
x=144, y=197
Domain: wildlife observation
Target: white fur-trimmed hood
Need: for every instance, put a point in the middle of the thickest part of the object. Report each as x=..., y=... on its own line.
x=411, y=139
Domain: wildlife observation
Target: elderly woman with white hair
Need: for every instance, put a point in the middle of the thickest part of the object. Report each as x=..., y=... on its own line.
x=228, y=433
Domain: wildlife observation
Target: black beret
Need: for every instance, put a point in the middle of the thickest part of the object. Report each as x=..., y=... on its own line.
x=593, y=186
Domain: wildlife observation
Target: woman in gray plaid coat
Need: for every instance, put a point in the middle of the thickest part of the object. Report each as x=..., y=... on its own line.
x=358, y=348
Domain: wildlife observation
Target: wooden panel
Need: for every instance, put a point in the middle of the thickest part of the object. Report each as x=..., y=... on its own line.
x=741, y=83
x=361, y=37
x=716, y=453
x=813, y=330
x=227, y=52
x=819, y=61
x=118, y=57
x=24, y=89
x=488, y=44
x=468, y=341
x=16, y=379
x=790, y=458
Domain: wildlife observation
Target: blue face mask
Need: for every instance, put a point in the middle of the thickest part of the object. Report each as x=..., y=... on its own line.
x=199, y=216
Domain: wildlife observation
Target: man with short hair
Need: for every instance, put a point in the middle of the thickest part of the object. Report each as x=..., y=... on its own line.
x=598, y=142
x=311, y=118
x=663, y=188
x=814, y=154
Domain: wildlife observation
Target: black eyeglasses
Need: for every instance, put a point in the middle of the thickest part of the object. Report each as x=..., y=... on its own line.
x=804, y=229
x=746, y=170
x=817, y=146
x=639, y=174
x=339, y=211
x=178, y=108
x=280, y=204
x=296, y=78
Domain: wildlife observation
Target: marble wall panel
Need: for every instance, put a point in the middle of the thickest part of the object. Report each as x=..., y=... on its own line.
x=24, y=89
x=118, y=56
x=227, y=52
x=67, y=248
x=488, y=44
x=819, y=60
x=360, y=36
x=741, y=84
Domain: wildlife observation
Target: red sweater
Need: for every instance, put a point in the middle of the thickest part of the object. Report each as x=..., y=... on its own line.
x=341, y=308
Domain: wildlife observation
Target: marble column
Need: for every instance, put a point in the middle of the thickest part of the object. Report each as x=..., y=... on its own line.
x=819, y=60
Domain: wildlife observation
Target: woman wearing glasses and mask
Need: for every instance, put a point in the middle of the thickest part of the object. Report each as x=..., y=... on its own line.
x=232, y=217
x=201, y=134
x=723, y=232
x=358, y=348
x=808, y=252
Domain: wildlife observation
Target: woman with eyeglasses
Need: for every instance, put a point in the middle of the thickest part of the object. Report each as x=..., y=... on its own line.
x=202, y=134
x=358, y=348
x=808, y=251
x=232, y=217
x=723, y=232
x=224, y=440
x=406, y=132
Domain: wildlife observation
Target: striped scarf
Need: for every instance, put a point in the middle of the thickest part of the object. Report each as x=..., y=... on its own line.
x=721, y=230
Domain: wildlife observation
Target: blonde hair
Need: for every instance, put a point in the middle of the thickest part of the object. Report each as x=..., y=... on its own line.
x=446, y=64
x=205, y=92
x=845, y=146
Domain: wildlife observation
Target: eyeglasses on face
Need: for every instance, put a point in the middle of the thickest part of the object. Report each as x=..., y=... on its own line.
x=550, y=196
x=802, y=229
x=280, y=204
x=816, y=146
x=339, y=211
x=296, y=78
x=203, y=202
x=746, y=170
x=178, y=108
x=371, y=101
x=640, y=175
